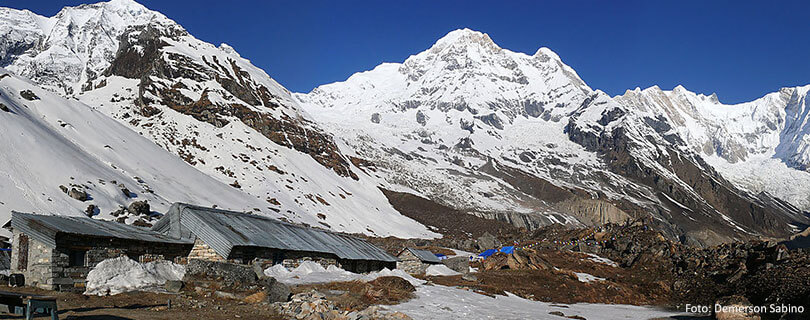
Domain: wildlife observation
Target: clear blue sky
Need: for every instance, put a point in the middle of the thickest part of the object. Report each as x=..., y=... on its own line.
x=738, y=49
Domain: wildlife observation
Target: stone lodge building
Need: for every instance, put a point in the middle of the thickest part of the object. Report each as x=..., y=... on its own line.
x=416, y=261
x=57, y=252
x=221, y=235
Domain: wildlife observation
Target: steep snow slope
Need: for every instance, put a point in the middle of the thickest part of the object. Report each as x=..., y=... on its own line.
x=50, y=141
x=495, y=133
x=207, y=105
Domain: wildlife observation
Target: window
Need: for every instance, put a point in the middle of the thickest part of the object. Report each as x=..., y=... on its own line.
x=76, y=258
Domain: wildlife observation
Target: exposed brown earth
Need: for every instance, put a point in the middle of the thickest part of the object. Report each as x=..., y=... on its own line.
x=448, y=221
x=554, y=280
x=149, y=306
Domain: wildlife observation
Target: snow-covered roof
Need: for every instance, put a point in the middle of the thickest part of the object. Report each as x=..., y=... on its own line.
x=45, y=228
x=223, y=230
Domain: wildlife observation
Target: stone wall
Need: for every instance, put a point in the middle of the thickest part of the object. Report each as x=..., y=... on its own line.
x=411, y=263
x=50, y=268
x=203, y=251
x=289, y=259
x=36, y=264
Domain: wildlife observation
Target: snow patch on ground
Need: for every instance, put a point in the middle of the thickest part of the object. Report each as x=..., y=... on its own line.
x=311, y=272
x=586, y=277
x=440, y=270
x=599, y=259
x=122, y=274
x=440, y=302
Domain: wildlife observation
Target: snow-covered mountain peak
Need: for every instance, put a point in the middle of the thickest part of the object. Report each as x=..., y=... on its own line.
x=461, y=39
x=465, y=72
x=74, y=46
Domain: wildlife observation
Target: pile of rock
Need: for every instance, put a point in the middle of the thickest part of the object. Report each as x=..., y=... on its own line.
x=242, y=281
x=523, y=259
x=314, y=305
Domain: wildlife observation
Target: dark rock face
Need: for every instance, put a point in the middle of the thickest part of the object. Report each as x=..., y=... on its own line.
x=610, y=116
x=533, y=108
x=140, y=56
x=469, y=126
x=715, y=193
x=421, y=118
x=492, y=120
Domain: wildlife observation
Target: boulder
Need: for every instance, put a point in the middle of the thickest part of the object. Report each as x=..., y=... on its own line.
x=173, y=286
x=125, y=191
x=258, y=269
x=225, y=295
x=458, y=264
x=488, y=241
x=276, y=291
x=119, y=212
x=469, y=277
x=257, y=297
x=77, y=194
x=139, y=208
x=393, y=283
x=28, y=95
x=4, y=108
x=733, y=308
x=92, y=210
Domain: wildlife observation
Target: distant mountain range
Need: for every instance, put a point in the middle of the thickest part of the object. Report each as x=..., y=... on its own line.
x=472, y=126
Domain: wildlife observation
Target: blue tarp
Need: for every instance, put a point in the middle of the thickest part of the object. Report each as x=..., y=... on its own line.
x=508, y=249
x=487, y=253
x=440, y=256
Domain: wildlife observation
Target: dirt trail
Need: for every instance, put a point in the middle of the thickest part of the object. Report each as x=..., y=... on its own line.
x=147, y=306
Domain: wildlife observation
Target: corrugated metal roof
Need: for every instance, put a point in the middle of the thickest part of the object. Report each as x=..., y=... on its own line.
x=45, y=228
x=424, y=255
x=223, y=230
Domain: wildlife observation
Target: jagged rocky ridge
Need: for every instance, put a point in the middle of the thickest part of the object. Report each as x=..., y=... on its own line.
x=522, y=138
x=203, y=103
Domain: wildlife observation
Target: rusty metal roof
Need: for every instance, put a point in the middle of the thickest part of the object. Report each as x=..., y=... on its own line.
x=424, y=255
x=223, y=230
x=45, y=228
